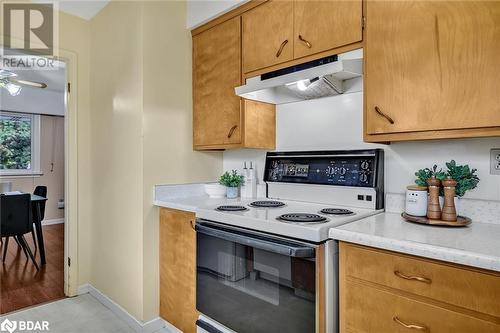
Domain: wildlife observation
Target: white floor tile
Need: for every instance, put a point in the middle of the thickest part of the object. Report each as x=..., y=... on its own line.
x=81, y=314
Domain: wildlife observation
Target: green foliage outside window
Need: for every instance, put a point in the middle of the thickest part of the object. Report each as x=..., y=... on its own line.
x=15, y=142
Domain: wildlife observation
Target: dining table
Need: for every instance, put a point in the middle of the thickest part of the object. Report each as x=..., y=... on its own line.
x=36, y=202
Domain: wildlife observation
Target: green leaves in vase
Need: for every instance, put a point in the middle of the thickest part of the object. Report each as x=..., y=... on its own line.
x=231, y=179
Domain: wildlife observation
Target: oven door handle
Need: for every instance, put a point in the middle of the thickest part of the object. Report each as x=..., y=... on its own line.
x=270, y=244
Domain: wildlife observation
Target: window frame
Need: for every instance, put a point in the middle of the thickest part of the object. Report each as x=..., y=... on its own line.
x=35, y=148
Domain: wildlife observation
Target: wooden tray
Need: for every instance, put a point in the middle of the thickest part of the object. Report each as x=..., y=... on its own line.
x=462, y=221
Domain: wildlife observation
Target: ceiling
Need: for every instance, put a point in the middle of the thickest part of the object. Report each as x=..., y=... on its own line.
x=85, y=9
x=54, y=79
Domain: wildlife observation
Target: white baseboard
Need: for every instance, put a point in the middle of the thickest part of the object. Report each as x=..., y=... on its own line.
x=52, y=221
x=83, y=289
x=151, y=326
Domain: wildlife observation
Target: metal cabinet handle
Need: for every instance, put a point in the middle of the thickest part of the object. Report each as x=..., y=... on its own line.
x=410, y=326
x=309, y=45
x=231, y=131
x=281, y=48
x=416, y=278
x=389, y=119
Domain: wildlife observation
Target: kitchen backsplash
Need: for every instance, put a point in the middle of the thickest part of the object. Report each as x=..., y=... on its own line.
x=336, y=123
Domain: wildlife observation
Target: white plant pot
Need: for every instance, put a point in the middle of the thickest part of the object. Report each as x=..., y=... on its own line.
x=457, y=204
x=232, y=192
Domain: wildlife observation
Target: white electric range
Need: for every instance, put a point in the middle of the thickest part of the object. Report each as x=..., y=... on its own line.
x=267, y=219
x=267, y=265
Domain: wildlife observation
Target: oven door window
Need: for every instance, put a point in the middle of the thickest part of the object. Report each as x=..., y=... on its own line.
x=249, y=289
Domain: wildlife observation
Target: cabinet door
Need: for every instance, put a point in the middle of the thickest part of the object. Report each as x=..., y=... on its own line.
x=216, y=71
x=431, y=65
x=267, y=35
x=327, y=24
x=260, y=125
x=178, y=269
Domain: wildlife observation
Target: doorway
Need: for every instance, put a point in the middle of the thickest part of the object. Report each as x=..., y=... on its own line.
x=45, y=118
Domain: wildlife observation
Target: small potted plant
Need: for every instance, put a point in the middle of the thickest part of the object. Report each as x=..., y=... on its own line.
x=466, y=179
x=232, y=180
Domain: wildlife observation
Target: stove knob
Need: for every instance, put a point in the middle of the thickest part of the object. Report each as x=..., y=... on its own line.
x=365, y=165
x=342, y=171
x=363, y=177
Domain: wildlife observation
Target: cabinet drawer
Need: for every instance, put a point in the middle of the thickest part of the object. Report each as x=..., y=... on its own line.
x=459, y=286
x=368, y=309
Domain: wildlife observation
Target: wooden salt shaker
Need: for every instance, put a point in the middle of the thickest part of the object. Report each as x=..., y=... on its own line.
x=433, y=207
x=449, y=211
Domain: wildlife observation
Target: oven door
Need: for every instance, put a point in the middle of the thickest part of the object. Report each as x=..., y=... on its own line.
x=255, y=282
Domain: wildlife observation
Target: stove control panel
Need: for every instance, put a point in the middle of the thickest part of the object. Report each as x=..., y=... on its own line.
x=359, y=168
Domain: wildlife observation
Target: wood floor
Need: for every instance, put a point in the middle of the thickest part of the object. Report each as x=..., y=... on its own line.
x=21, y=285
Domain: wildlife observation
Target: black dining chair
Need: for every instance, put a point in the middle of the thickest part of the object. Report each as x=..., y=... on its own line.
x=41, y=191
x=16, y=221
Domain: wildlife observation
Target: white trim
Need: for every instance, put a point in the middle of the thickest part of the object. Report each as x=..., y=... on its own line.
x=21, y=175
x=36, y=137
x=138, y=326
x=53, y=221
x=84, y=289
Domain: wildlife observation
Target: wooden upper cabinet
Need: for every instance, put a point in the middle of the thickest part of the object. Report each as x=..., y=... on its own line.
x=431, y=66
x=217, y=117
x=267, y=35
x=323, y=25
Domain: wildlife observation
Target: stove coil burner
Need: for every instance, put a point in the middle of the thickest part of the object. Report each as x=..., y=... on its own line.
x=231, y=208
x=302, y=218
x=337, y=211
x=267, y=204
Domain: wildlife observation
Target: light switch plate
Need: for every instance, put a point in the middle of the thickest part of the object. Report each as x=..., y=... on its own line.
x=495, y=162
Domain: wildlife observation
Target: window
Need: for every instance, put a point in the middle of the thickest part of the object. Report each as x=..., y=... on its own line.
x=19, y=144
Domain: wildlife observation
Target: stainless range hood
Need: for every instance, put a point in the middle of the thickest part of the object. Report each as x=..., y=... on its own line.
x=324, y=77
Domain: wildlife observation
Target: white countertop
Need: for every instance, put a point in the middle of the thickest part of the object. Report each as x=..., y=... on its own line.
x=476, y=245
x=263, y=219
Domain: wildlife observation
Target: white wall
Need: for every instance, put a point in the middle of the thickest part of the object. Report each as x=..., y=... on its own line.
x=202, y=11
x=336, y=123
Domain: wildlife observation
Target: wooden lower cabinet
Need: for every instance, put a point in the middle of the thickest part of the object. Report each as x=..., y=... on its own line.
x=383, y=291
x=373, y=310
x=178, y=269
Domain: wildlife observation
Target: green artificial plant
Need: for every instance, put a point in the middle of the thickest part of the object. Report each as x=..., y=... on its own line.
x=424, y=174
x=231, y=179
x=465, y=177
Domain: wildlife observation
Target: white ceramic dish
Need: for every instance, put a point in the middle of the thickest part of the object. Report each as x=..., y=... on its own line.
x=215, y=190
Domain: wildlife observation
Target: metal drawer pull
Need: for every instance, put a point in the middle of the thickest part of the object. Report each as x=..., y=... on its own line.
x=410, y=326
x=309, y=45
x=416, y=278
x=389, y=119
x=281, y=48
x=231, y=131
